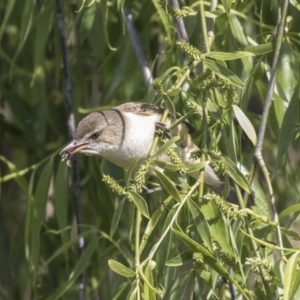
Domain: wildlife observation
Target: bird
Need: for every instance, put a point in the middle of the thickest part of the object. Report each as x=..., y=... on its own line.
x=125, y=133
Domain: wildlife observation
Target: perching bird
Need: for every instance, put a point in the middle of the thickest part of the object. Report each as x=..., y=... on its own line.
x=126, y=132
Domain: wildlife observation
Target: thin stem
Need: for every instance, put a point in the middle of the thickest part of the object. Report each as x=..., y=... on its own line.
x=137, y=47
x=203, y=156
x=261, y=133
x=204, y=28
x=179, y=23
x=71, y=128
x=137, y=251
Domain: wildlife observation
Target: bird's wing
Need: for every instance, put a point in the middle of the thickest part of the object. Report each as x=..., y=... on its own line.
x=147, y=109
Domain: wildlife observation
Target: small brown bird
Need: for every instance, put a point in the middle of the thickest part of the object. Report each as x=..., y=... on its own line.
x=125, y=133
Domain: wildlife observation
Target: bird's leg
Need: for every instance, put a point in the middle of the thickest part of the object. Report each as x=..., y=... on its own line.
x=161, y=129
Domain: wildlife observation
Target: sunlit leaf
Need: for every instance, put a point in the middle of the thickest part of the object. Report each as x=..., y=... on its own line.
x=245, y=124
x=120, y=268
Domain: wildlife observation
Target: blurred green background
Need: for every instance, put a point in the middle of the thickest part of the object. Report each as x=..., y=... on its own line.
x=105, y=72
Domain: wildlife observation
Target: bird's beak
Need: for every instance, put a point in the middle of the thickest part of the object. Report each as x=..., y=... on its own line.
x=73, y=148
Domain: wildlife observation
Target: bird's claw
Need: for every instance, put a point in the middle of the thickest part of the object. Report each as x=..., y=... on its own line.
x=161, y=129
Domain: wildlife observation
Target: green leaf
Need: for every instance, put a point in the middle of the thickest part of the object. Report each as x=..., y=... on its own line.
x=61, y=199
x=217, y=226
x=120, y=268
x=201, y=224
x=164, y=248
x=81, y=264
x=104, y=18
x=38, y=209
x=291, y=277
x=194, y=167
x=288, y=127
x=237, y=29
x=227, y=5
x=150, y=227
x=290, y=210
x=140, y=203
x=245, y=124
x=209, y=259
x=164, y=18
x=169, y=104
x=223, y=72
x=234, y=172
x=149, y=293
x=8, y=9
x=228, y=56
x=26, y=21
x=167, y=184
x=165, y=146
x=261, y=49
x=180, y=259
x=116, y=218
x=181, y=290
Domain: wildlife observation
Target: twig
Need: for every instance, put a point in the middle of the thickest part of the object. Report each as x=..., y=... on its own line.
x=261, y=133
x=71, y=130
x=179, y=23
x=137, y=47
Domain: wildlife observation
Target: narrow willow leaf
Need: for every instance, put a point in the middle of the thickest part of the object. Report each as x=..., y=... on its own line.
x=38, y=209
x=61, y=199
x=288, y=126
x=209, y=259
x=234, y=172
x=245, y=124
x=290, y=278
x=166, y=166
x=164, y=18
x=66, y=246
x=116, y=218
x=217, y=226
x=165, y=146
x=261, y=49
x=169, y=104
x=237, y=29
x=194, y=167
x=290, y=210
x=104, y=9
x=227, y=5
x=8, y=9
x=213, y=14
x=223, y=72
x=167, y=184
x=140, y=203
x=201, y=224
x=173, y=92
x=149, y=293
x=180, y=259
x=180, y=120
x=228, y=56
x=163, y=249
x=26, y=21
x=150, y=227
x=181, y=290
x=81, y=264
x=120, y=268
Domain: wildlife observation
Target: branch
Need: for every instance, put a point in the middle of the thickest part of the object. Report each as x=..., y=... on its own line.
x=261, y=133
x=137, y=47
x=71, y=129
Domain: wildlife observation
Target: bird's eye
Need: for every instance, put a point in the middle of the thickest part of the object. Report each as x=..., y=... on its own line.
x=95, y=135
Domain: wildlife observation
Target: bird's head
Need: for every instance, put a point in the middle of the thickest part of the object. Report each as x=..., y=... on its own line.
x=95, y=134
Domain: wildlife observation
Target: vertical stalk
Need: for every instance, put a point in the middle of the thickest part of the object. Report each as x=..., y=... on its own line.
x=137, y=252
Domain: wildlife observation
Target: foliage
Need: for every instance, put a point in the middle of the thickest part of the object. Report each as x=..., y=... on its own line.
x=182, y=242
